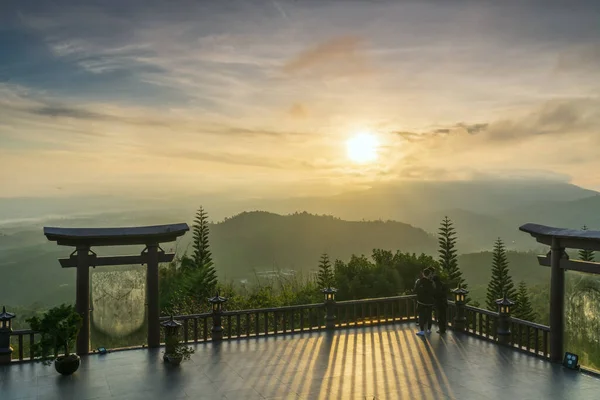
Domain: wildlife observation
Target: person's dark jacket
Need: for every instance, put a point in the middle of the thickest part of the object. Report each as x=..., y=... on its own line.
x=440, y=293
x=425, y=291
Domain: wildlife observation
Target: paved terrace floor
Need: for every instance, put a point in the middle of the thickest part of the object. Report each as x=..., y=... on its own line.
x=386, y=362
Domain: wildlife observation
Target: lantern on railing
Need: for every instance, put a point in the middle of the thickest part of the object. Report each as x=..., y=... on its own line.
x=504, y=305
x=217, y=310
x=171, y=335
x=329, y=294
x=5, y=331
x=504, y=309
x=460, y=296
x=217, y=303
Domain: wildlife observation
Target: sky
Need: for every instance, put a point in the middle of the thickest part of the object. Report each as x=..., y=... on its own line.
x=258, y=98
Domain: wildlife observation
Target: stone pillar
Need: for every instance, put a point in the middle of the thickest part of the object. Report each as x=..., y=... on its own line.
x=330, y=314
x=217, y=328
x=152, y=296
x=82, y=298
x=557, y=302
x=503, y=329
x=171, y=336
x=460, y=321
x=5, y=331
x=329, y=307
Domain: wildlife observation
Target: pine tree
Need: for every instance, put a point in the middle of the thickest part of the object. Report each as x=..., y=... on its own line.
x=200, y=266
x=586, y=255
x=325, y=274
x=448, y=259
x=501, y=282
x=523, y=307
x=524, y=310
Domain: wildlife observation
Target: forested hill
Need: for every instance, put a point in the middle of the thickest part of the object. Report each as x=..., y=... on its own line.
x=262, y=241
x=241, y=245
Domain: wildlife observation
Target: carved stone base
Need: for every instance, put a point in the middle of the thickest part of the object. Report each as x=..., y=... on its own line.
x=5, y=356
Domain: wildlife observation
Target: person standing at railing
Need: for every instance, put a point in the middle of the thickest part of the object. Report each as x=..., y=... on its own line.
x=425, y=291
x=441, y=303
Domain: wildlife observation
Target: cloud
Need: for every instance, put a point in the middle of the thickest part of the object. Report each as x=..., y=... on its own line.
x=571, y=117
x=64, y=111
x=579, y=57
x=463, y=89
x=338, y=56
x=562, y=118
x=298, y=111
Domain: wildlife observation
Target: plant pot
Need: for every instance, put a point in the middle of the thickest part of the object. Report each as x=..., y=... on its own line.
x=174, y=359
x=67, y=365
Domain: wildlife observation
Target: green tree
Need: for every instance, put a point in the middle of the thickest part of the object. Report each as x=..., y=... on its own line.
x=501, y=282
x=523, y=306
x=586, y=255
x=199, y=269
x=448, y=259
x=325, y=274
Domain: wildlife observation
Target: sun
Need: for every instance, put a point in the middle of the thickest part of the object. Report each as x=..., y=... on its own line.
x=362, y=148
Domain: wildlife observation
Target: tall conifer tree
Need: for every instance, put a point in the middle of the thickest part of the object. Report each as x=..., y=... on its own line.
x=325, y=274
x=200, y=266
x=448, y=259
x=501, y=282
x=523, y=307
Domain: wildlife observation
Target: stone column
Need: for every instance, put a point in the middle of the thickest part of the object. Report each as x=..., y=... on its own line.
x=82, y=298
x=217, y=328
x=557, y=302
x=152, y=295
x=330, y=314
x=5, y=331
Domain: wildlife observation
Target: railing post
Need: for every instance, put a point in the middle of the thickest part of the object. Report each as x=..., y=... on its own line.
x=504, y=306
x=557, y=301
x=82, y=298
x=5, y=331
x=171, y=336
x=152, y=295
x=217, y=309
x=329, y=307
x=460, y=320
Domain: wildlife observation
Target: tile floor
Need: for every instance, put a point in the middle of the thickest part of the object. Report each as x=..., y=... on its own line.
x=385, y=362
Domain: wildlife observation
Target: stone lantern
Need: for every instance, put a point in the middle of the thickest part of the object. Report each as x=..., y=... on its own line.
x=329, y=307
x=5, y=331
x=217, y=310
x=460, y=295
x=504, y=309
x=171, y=335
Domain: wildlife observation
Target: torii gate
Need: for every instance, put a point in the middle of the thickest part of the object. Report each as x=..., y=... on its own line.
x=558, y=239
x=83, y=258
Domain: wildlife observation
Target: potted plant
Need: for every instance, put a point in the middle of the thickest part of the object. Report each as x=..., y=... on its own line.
x=58, y=328
x=177, y=352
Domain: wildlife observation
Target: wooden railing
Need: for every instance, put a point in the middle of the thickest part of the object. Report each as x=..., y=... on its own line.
x=526, y=336
x=530, y=337
x=22, y=341
x=375, y=311
x=296, y=319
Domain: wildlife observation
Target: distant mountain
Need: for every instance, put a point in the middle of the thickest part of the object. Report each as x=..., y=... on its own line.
x=565, y=214
x=404, y=201
x=259, y=241
x=241, y=245
x=476, y=232
x=481, y=210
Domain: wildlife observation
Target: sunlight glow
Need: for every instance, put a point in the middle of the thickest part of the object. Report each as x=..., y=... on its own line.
x=362, y=148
